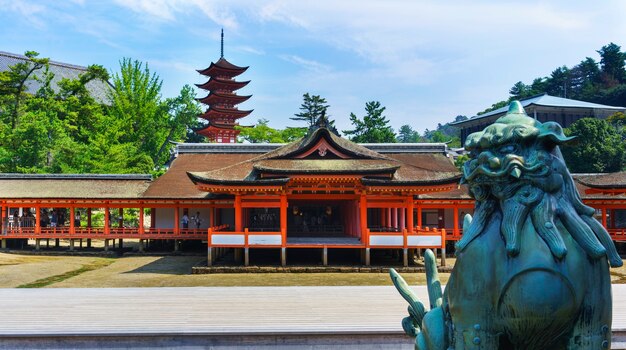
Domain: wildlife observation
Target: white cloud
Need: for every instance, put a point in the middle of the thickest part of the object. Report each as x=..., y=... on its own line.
x=27, y=10
x=307, y=64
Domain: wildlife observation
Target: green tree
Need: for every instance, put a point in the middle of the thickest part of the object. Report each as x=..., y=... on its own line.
x=600, y=147
x=263, y=133
x=612, y=64
x=519, y=90
x=311, y=109
x=140, y=117
x=406, y=134
x=374, y=128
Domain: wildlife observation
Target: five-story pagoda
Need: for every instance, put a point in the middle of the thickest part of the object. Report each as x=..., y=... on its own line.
x=222, y=114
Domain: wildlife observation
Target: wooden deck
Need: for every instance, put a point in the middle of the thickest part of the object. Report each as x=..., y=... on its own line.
x=215, y=311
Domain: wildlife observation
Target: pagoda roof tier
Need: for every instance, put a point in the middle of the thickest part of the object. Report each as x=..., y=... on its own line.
x=222, y=84
x=222, y=68
x=321, y=153
x=214, y=129
x=217, y=112
x=217, y=97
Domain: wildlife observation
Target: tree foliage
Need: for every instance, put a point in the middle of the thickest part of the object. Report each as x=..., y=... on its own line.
x=62, y=129
x=263, y=133
x=313, y=107
x=601, y=82
x=373, y=128
x=600, y=147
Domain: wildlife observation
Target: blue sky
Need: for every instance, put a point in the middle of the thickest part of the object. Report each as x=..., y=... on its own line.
x=426, y=61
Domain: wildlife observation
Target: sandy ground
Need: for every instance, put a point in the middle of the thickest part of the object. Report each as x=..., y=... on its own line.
x=166, y=271
x=175, y=271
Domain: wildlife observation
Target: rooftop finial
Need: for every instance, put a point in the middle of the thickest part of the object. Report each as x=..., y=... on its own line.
x=222, y=45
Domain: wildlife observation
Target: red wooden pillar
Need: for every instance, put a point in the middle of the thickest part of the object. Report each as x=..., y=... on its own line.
x=211, y=217
x=107, y=229
x=455, y=231
x=283, y=218
x=72, y=225
x=383, y=217
x=238, y=216
x=89, y=217
x=176, y=220
x=141, y=228
x=363, y=217
x=37, y=223
x=409, y=219
x=604, y=223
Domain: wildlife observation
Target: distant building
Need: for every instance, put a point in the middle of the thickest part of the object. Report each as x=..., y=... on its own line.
x=222, y=114
x=543, y=108
x=98, y=89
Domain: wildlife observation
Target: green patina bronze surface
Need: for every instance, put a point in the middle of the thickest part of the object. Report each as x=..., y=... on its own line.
x=532, y=268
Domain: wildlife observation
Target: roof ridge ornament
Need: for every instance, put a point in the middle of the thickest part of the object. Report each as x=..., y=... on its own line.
x=222, y=45
x=323, y=123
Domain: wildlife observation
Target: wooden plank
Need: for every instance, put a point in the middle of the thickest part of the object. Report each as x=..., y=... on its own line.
x=215, y=310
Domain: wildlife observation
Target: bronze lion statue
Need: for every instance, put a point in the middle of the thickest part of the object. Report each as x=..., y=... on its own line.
x=532, y=269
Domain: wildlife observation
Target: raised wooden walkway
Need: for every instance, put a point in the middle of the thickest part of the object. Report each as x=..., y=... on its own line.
x=275, y=317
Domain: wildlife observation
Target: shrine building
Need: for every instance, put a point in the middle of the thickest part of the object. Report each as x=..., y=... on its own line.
x=322, y=192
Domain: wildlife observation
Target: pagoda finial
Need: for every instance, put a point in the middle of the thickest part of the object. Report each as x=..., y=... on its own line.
x=222, y=45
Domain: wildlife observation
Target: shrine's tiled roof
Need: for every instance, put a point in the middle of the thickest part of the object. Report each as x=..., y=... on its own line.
x=406, y=169
x=73, y=186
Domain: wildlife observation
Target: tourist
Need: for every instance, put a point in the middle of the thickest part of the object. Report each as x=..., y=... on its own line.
x=185, y=220
x=54, y=219
x=198, y=220
x=77, y=219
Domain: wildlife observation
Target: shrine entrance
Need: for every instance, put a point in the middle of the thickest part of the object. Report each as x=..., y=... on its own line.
x=323, y=222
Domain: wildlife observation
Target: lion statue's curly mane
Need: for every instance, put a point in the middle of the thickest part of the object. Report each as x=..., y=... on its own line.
x=532, y=265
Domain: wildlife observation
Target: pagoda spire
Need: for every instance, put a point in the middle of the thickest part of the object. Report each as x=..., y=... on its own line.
x=222, y=112
x=222, y=45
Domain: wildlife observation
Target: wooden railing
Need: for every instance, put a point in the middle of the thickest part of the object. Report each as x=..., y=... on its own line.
x=417, y=238
x=246, y=238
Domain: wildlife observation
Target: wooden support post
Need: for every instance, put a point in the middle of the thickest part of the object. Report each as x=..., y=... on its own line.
x=176, y=245
x=141, y=245
x=106, y=245
x=409, y=219
x=209, y=256
x=120, y=218
x=56, y=243
x=455, y=231
x=121, y=245
x=246, y=256
x=363, y=218
x=367, y=256
x=88, y=220
x=152, y=217
x=176, y=222
x=419, y=216
x=88, y=242
x=405, y=257
x=141, y=218
x=71, y=244
x=325, y=256
x=80, y=243
x=107, y=228
x=283, y=229
x=37, y=220
x=211, y=217
x=443, y=256
x=4, y=244
x=237, y=253
x=72, y=224
x=37, y=243
x=283, y=256
x=238, y=216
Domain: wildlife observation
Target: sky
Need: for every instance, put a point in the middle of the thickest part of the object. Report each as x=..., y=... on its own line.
x=425, y=61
